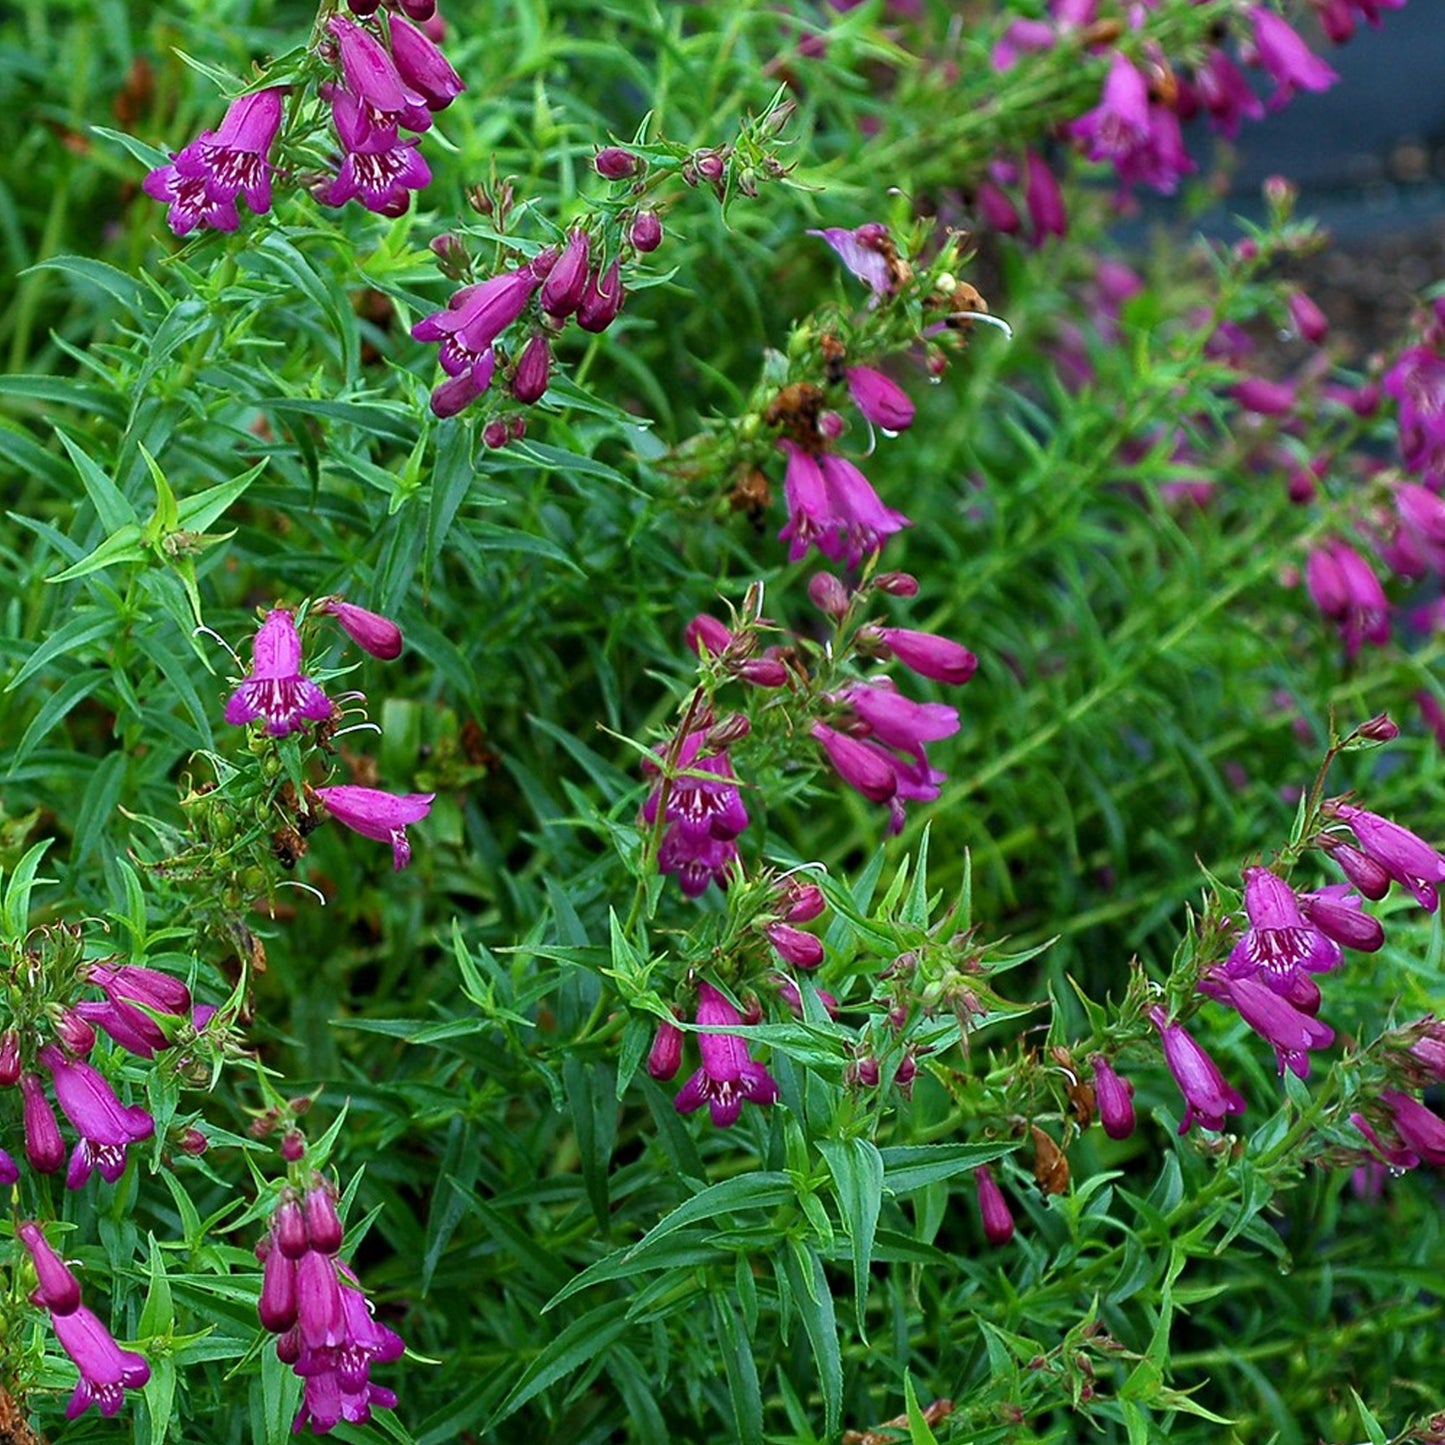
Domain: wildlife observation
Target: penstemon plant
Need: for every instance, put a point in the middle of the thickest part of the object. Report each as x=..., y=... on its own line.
x=680, y=759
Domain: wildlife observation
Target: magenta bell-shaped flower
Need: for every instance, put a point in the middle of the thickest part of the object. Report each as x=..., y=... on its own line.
x=728, y=1076
x=276, y=689
x=421, y=66
x=1274, y=1018
x=1279, y=942
x=1404, y=855
x=374, y=79
x=1287, y=58
x=56, y=1288
x=880, y=399
x=1207, y=1097
x=1420, y=1129
x=202, y=181
x=377, y=814
x=868, y=770
x=867, y=252
x=378, y=168
x=105, y=1125
x=106, y=1370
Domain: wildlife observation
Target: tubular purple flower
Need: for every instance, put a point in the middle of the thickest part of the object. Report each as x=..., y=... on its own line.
x=276, y=689
x=862, y=521
x=1114, y=1095
x=373, y=76
x=1273, y=1018
x=566, y=282
x=1264, y=397
x=1044, y=199
x=1207, y=1097
x=319, y=1315
x=134, y=983
x=998, y=212
x=277, y=1303
x=793, y=945
x=377, y=814
x=44, y=1147
x=929, y=655
x=461, y=390
x=998, y=1220
x=1120, y=123
x=106, y=1370
x=1279, y=942
x=1404, y=855
x=477, y=315
x=868, y=252
x=421, y=65
x=697, y=859
x=861, y=767
x=728, y=1076
x=1420, y=1130
x=377, y=168
x=9, y=1169
x=323, y=1224
x=288, y=1227
x=707, y=633
x=1226, y=94
x=1287, y=58
x=1340, y=915
x=602, y=299
x=880, y=399
x=105, y=1125
x=9, y=1058
x=1311, y=323
x=202, y=181
x=370, y=631
x=533, y=371
x=704, y=801
x=898, y=721
x=56, y=1288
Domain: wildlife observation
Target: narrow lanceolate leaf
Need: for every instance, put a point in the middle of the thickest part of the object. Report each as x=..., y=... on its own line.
x=857, y=1170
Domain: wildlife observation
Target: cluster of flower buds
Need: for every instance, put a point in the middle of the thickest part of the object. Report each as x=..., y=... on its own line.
x=324, y=1326
x=106, y=1370
x=729, y=1077
x=578, y=281
x=696, y=796
x=279, y=694
x=392, y=78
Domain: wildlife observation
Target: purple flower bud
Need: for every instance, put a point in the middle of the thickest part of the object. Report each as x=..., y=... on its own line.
x=1404, y=855
x=646, y=232
x=277, y=1304
x=802, y=902
x=1207, y=1097
x=763, y=672
x=788, y=992
x=319, y=1314
x=998, y=212
x=896, y=584
x=566, y=283
x=1366, y=874
x=602, y=300
x=44, y=1147
x=1115, y=1098
x=495, y=434
x=106, y=1370
x=709, y=165
x=323, y=1224
x=615, y=164
x=880, y=399
x=370, y=631
x=419, y=10
x=1264, y=397
x=802, y=950
x=930, y=656
x=1308, y=319
x=9, y=1169
x=1420, y=1130
x=664, y=1059
x=57, y=1289
x=705, y=632
x=998, y=1220
x=533, y=371
x=192, y=1141
x=1339, y=915
x=74, y=1032
x=377, y=814
x=860, y=766
x=828, y=594
x=1044, y=199
x=9, y=1058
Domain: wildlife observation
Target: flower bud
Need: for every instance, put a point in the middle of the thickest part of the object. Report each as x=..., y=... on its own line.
x=665, y=1057
x=9, y=1058
x=998, y=1221
x=802, y=950
x=1114, y=1096
x=602, y=300
x=494, y=434
x=293, y=1146
x=370, y=631
x=897, y=584
x=566, y=283
x=288, y=1228
x=646, y=232
x=74, y=1032
x=828, y=594
x=277, y=1304
x=803, y=902
x=44, y=1147
x=534, y=368
x=419, y=10
x=323, y=1224
x=192, y=1141
x=615, y=164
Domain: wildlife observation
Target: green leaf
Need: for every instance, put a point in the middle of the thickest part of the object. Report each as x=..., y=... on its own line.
x=741, y=1369
x=581, y=1342
x=747, y=1191
x=815, y=1304
x=857, y=1170
x=110, y=503
x=15, y=910
x=910, y=1167
x=919, y=1432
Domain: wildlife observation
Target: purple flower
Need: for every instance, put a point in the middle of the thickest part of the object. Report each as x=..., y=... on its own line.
x=202, y=181
x=44, y=1147
x=378, y=168
x=1339, y=914
x=998, y=1220
x=646, y=232
x=1287, y=58
x=1404, y=855
x=476, y=315
x=664, y=1058
x=1420, y=1130
x=1264, y=397
x=1207, y=1097
x=130, y=990
x=9, y=1058
x=928, y=655
x=1226, y=94
x=277, y=1303
x=727, y=1076
x=1292, y=1032
x=319, y=1316
x=1311, y=323
x=106, y=1370
x=105, y=1125
x=323, y=1224
x=1364, y=873
x=377, y=814
x=473, y=376
x=869, y=770
x=1044, y=199
x=704, y=799
x=336, y=1376
x=275, y=688
x=370, y=631
x=1114, y=1095
x=696, y=860
x=898, y=721
x=533, y=370
x=9, y=1169
x=602, y=299
x=832, y=506
x=56, y=1288
x=566, y=282
x=1348, y=592
x=1417, y=383
x=1279, y=941
x=793, y=945
x=869, y=253
x=422, y=68
x=615, y=164
x=1120, y=124
x=880, y=399
x=374, y=81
